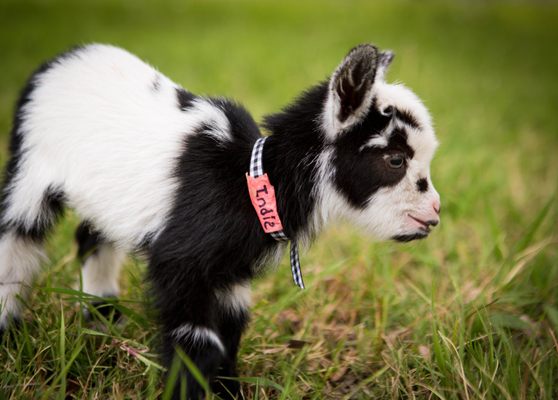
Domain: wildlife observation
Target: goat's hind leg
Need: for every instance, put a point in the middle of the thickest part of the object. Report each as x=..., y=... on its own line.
x=20, y=259
x=101, y=265
x=23, y=227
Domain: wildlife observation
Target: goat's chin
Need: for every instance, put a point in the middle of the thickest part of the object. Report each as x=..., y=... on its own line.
x=408, y=237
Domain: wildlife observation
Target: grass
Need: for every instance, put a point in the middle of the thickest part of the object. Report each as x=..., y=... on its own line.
x=470, y=313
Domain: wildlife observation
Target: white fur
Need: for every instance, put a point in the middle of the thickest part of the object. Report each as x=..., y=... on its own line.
x=20, y=260
x=402, y=98
x=101, y=270
x=326, y=205
x=236, y=299
x=94, y=122
x=380, y=141
x=198, y=334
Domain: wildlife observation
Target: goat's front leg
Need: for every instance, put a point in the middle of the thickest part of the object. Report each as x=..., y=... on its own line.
x=232, y=318
x=188, y=313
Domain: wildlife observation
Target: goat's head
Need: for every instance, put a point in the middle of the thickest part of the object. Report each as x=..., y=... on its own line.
x=381, y=142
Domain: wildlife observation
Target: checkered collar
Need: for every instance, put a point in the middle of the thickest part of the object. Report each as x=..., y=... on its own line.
x=257, y=174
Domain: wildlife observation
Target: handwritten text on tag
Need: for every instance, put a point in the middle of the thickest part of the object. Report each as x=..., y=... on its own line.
x=263, y=199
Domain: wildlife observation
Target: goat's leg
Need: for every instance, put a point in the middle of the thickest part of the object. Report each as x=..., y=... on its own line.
x=28, y=210
x=102, y=263
x=233, y=316
x=188, y=310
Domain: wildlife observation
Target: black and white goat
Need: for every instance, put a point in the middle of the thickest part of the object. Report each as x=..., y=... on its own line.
x=153, y=168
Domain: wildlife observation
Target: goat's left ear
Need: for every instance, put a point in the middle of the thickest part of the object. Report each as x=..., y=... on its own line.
x=352, y=81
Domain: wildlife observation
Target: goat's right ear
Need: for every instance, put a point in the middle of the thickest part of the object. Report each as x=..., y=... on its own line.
x=352, y=82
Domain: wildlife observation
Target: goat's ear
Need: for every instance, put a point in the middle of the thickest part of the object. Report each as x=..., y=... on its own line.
x=352, y=81
x=384, y=60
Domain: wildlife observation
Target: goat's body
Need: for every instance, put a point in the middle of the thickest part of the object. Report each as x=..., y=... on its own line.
x=150, y=167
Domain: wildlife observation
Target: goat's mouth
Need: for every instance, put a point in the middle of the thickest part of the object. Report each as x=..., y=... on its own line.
x=410, y=237
x=420, y=231
x=423, y=225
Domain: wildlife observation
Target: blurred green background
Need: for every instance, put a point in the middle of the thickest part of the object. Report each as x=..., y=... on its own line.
x=470, y=313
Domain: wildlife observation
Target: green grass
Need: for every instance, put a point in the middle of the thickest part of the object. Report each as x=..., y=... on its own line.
x=470, y=313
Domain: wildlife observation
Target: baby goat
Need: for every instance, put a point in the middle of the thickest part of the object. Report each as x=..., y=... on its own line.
x=155, y=169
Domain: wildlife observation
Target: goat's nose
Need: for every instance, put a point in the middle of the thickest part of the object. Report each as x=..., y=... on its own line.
x=435, y=219
x=433, y=222
x=436, y=206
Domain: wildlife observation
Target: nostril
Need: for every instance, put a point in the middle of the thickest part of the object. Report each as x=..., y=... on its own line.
x=437, y=208
x=433, y=222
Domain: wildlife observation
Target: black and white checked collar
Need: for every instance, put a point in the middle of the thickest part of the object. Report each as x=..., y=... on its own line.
x=256, y=170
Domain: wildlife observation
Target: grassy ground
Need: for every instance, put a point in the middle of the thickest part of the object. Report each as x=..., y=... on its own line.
x=470, y=313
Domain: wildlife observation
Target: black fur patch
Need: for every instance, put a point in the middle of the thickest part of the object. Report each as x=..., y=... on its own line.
x=422, y=185
x=361, y=173
x=52, y=208
x=184, y=99
x=231, y=326
x=213, y=196
x=88, y=240
x=213, y=238
x=213, y=200
x=407, y=118
x=291, y=156
x=206, y=356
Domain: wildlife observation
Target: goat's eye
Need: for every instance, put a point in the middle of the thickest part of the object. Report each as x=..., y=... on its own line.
x=395, y=161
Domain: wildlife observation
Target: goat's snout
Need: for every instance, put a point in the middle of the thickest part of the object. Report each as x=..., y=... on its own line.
x=426, y=220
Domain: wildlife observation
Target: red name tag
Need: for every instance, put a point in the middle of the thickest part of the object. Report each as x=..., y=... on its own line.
x=263, y=199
